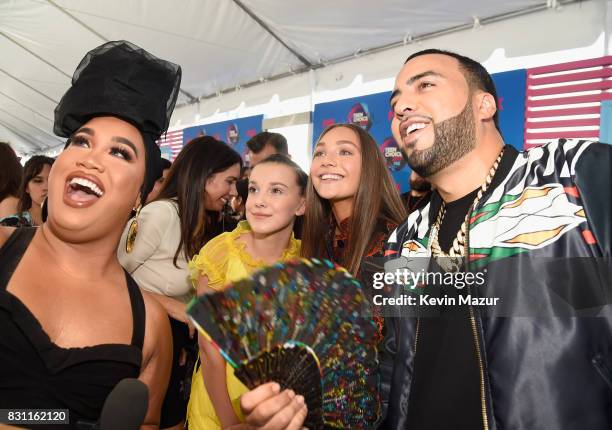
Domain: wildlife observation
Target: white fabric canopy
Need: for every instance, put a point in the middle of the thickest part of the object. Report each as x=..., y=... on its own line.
x=220, y=44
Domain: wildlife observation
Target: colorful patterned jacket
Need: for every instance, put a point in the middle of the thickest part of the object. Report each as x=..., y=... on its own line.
x=543, y=232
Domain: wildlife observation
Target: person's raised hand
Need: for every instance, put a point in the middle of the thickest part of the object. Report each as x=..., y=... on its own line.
x=268, y=408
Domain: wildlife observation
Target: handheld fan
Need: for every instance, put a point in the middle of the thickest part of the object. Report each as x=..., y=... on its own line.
x=300, y=324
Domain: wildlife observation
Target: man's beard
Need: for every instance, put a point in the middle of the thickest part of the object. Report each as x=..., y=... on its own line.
x=453, y=138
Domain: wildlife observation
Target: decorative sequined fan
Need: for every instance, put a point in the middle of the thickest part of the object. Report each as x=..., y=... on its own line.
x=300, y=324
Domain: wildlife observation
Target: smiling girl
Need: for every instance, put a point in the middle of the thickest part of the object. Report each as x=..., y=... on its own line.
x=276, y=197
x=352, y=204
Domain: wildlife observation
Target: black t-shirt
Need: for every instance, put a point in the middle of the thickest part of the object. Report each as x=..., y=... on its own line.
x=445, y=390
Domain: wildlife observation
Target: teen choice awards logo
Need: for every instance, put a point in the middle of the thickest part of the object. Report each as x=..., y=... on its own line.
x=232, y=134
x=360, y=115
x=393, y=155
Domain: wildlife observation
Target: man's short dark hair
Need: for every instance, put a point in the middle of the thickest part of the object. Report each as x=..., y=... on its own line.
x=475, y=74
x=278, y=141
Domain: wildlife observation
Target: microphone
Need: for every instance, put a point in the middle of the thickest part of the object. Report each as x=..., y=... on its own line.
x=125, y=407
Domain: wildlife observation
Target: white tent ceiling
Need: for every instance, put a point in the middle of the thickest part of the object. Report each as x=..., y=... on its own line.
x=221, y=44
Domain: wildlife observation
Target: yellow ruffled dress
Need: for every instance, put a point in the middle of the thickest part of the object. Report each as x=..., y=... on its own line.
x=223, y=259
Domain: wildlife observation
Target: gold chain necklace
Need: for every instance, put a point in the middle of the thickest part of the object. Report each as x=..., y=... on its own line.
x=452, y=261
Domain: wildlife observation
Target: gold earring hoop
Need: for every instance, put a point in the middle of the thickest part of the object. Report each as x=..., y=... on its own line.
x=132, y=232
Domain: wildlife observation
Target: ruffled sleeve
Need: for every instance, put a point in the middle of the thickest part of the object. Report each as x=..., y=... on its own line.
x=211, y=261
x=293, y=250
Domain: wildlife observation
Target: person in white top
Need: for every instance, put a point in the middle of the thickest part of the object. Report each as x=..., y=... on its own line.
x=171, y=230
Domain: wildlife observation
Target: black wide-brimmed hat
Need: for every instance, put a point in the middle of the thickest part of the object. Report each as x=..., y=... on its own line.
x=122, y=80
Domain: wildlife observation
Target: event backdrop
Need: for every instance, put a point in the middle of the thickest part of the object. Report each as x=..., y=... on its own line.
x=511, y=87
x=235, y=132
x=373, y=113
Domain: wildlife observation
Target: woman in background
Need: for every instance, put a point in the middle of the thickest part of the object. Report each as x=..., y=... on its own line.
x=11, y=173
x=171, y=230
x=276, y=197
x=33, y=190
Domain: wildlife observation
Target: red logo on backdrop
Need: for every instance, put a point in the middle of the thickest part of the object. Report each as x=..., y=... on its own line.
x=328, y=122
x=251, y=132
x=392, y=154
x=360, y=115
x=232, y=134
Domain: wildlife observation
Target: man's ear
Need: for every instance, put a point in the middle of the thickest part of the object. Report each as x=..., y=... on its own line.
x=302, y=208
x=487, y=106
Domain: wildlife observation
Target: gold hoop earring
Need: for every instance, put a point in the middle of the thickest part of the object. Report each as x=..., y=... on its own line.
x=132, y=232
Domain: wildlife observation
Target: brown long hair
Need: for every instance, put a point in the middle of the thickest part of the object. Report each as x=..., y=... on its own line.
x=196, y=163
x=32, y=168
x=10, y=172
x=301, y=178
x=377, y=199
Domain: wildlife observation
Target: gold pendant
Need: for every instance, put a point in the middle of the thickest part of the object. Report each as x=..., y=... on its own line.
x=131, y=235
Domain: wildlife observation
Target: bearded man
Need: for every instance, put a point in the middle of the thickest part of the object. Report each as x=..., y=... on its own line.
x=539, y=224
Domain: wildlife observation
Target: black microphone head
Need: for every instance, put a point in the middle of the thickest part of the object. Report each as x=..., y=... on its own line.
x=126, y=406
